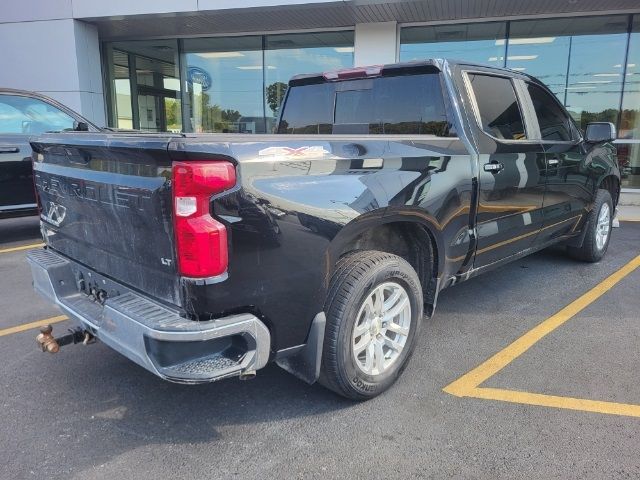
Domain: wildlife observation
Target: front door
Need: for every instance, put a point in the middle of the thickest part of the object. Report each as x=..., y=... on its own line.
x=22, y=116
x=512, y=170
x=571, y=176
x=16, y=175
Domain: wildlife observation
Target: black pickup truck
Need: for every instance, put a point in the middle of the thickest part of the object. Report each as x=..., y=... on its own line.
x=320, y=247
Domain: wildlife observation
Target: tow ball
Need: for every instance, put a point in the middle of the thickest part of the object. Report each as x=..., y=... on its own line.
x=48, y=343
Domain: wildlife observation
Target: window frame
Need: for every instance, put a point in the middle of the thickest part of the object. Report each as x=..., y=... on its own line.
x=524, y=104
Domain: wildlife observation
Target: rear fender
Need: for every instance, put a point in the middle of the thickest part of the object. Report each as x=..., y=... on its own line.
x=350, y=237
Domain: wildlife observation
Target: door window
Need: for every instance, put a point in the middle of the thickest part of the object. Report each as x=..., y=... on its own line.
x=500, y=114
x=25, y=115
x=555, y=124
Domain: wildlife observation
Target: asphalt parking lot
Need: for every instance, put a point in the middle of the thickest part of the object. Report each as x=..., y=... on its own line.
x=563, y=401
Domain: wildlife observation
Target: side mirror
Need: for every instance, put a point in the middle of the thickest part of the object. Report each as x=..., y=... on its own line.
x=80, y=126
x=600, y=132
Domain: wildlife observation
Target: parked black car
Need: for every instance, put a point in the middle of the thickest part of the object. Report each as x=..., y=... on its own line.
x=205, y=256
x=22, y=115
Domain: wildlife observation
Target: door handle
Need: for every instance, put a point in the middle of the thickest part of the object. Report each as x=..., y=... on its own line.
x=9, y=149
x=553, y=161
x=493, y=167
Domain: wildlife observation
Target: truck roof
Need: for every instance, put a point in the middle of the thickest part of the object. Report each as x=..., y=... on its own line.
x=426, y=65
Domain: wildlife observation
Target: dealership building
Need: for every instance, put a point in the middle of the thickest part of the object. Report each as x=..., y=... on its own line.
x=222, y=65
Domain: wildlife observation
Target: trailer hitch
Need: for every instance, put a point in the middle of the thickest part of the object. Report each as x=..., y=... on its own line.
x=48, y=343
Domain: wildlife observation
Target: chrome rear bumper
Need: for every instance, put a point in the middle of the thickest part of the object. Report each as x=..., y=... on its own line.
x=153, y=335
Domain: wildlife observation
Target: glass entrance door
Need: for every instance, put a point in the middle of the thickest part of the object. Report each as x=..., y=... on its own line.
x=158, y=110
x=146, y=87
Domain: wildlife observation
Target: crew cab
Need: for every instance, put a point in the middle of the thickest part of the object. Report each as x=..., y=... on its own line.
x=324, y=246
x=22, y=115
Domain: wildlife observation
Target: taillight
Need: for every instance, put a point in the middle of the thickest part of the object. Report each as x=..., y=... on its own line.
x=35, y=189
x=201, y=241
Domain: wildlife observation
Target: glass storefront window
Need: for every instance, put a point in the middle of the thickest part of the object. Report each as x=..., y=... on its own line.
x=579, y=59
x=475, y=42
x=236, y=84
x=230, y=84
x=120, y=88
x=224, y=82
x=145, y=85
x=629, y=153
x=289, y=55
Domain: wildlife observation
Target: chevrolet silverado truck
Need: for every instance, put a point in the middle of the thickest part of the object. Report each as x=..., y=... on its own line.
x=323, y=246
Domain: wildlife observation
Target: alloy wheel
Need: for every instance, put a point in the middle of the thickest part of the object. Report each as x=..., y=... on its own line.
x=381, y=328
x=603, y=226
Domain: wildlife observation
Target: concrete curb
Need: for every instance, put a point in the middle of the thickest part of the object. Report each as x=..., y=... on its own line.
x=628, y=213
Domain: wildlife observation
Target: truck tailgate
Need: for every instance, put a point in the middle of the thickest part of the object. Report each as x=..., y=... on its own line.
x=105, y=202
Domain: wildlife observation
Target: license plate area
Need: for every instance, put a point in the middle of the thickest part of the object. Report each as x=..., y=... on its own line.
x=96, y=286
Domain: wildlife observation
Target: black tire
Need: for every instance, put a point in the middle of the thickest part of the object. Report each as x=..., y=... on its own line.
x=356, y=276
x=590, y=251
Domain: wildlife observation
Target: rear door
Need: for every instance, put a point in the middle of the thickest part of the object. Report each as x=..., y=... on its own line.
x=511, y=167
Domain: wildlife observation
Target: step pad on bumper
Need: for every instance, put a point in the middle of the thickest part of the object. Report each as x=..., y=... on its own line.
x=153, y=335
x=204, y=366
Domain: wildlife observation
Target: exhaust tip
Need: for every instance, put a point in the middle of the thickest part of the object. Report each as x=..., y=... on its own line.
x=248, y=375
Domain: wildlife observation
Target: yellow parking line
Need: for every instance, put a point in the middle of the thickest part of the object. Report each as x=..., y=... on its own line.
x=22, y=247
x=569, y=403
x=469, y=384
x=501, y=359
x=29, y=326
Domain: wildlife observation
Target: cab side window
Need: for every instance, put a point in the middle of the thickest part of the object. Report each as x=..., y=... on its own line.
x=500, y=114
x=555, y=124
x=25, y=115
x=11, y=119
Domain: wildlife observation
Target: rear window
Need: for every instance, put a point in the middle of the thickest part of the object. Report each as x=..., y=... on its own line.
x=406, y=104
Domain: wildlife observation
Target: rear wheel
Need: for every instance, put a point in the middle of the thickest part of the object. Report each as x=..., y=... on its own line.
x=374, y=310
x=596, y=240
